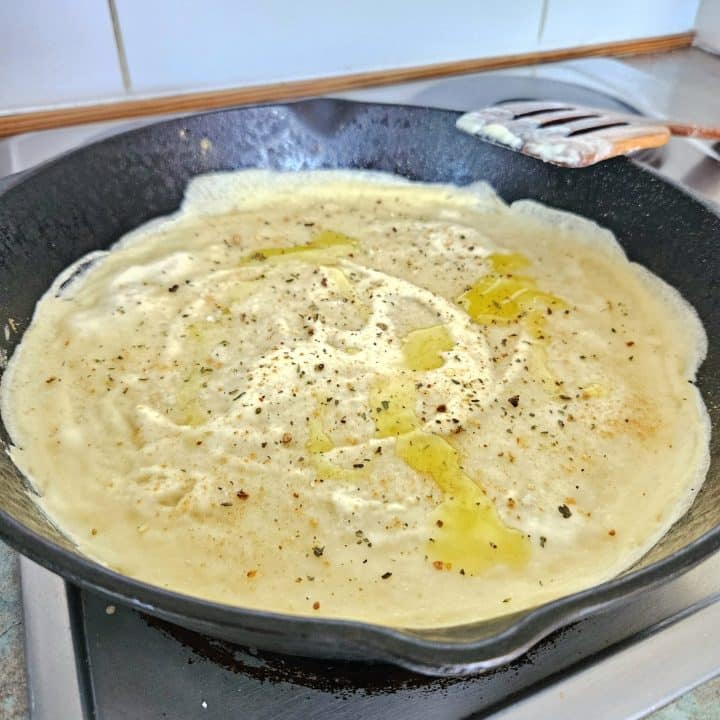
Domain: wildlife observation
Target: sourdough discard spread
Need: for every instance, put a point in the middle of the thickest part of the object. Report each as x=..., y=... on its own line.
x=347, y=395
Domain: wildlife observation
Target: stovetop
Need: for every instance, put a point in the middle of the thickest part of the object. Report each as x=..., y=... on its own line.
x=88, y=659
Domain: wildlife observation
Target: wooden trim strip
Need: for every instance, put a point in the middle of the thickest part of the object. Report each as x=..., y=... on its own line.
x=277, y=92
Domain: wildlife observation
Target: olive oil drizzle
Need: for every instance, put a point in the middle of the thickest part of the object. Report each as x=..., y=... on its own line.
x=422, y=348
x=467, y=535
x=502, y=297
x=325, y=240
x=392, y=404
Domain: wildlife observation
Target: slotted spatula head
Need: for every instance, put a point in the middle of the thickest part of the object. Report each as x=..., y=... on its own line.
x=561, y=133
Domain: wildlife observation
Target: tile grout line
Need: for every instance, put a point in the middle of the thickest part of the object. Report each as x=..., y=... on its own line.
x=541, y=24
x=120, y=47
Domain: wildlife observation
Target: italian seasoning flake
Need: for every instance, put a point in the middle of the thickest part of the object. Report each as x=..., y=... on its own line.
x=565, y=511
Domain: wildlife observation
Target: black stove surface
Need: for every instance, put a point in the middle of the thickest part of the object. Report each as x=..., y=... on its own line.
x=133, y=666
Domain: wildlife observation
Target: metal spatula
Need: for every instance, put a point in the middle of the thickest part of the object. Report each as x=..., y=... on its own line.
x=572, y=135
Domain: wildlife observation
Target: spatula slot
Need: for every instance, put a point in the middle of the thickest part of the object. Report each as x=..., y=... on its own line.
x=542, y=111
x=603, y=126
x=564, y=120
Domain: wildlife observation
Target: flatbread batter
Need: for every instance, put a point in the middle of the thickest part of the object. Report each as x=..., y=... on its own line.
x=348, y=395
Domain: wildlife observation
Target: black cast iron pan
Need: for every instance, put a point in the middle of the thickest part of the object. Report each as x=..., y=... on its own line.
x=89, y=198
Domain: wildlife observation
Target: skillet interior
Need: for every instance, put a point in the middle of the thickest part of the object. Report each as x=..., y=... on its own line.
x=87, y=199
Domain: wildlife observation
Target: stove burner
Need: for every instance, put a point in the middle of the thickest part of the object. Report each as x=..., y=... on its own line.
x=473, y=92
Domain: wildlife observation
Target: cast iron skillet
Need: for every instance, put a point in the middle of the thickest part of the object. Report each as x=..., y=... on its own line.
x=87, y=199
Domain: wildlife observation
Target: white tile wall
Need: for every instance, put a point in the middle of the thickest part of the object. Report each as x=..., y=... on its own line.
x=54, y=51
x=180, y=43
x=63, y=51
x=580, y=22
x=708, y=25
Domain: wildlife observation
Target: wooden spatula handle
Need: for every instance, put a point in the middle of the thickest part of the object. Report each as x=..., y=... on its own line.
x=688, y=130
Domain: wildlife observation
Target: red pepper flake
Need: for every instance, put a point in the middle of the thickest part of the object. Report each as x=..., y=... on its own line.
x=514, y=400
x=286, y=438
x=438, y=564
x=630, y=343
x=441, y=408
x=242, y=494
x=251, y=573
x=611, y=533
x=316, y=605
